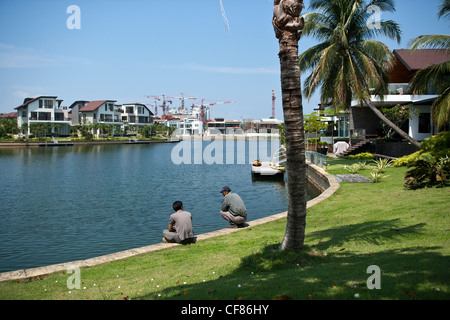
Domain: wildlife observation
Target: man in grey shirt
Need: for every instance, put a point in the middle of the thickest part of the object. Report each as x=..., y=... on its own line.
x=233, y=208
x=180, y=226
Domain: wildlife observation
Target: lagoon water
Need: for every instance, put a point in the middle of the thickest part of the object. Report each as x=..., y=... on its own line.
x=71, y=203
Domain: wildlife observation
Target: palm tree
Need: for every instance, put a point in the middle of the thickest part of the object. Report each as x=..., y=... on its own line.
x=436, y=75
x=347, y=64
x=288, y=25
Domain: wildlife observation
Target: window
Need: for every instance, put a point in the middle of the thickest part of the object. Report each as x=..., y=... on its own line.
x=129, y=110
x=48, y=104
x=425, y=123
x=45, y=116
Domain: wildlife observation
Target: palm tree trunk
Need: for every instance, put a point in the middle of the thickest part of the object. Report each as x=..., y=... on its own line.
x=287, y=25
x=402, y=133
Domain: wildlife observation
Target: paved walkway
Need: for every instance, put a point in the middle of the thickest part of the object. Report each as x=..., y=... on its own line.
x=35, y=272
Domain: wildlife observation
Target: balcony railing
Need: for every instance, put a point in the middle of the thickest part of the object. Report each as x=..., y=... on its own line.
x=399, y=88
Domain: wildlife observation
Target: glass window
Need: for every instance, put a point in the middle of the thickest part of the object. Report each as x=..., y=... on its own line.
x=425, y=123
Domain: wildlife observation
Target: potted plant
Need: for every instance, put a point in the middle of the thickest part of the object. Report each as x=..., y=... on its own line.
x=322, y=147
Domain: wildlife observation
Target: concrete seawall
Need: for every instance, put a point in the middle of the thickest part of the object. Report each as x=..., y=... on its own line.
x=320, y=179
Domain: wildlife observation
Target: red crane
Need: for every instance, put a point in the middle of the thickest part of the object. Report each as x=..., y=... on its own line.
x=203, y=105
x=163, y=106
x=273, y=104
x=182, y=98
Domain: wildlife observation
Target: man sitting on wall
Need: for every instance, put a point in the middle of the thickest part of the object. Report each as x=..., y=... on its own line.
x=180, y=226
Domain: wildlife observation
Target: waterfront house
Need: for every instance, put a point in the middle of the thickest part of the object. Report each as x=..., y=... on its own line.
x=74, y=110
x=101, y=112
x=421, y=126
x=361, y=123
x=220, y=126
x=45, y=112
x=136, y=114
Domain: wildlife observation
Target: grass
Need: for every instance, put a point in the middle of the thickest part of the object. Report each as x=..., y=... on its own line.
x=403, y=232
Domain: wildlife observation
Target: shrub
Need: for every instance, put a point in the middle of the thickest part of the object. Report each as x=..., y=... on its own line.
x=361, y=165
x=361, y=156
x=437, y=146
x=377, y=176
x=428, y=171
x=352, y=169
x=407, y=160
x=382, y=164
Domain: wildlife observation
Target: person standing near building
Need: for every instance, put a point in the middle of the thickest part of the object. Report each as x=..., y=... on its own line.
x=233, y=208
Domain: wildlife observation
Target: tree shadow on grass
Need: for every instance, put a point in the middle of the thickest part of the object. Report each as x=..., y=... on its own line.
x=418, y=272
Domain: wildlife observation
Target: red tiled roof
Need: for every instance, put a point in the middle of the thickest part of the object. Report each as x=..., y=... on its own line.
x=94, y=105
x=8, y=115
x=421, y=59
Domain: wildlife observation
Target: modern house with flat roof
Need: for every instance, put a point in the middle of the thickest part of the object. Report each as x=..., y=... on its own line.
x=220, y=125
x=408, y=62
x=361, y=123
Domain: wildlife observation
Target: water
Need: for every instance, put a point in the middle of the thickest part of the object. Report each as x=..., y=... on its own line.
x=73, y=203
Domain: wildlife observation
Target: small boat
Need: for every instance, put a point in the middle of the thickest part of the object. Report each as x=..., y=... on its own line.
x=256, y=163
x=55, y=143
x=135, y=141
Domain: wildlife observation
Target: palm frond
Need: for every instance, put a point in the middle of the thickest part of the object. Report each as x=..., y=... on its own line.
x=434, y=41
x=435, y=76
x=444, y=9
x=347, y=63
x=441, y=109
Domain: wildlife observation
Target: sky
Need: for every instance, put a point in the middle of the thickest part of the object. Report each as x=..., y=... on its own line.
x=128, y=50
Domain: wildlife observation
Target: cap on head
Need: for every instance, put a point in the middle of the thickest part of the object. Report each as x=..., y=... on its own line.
x=225, y=188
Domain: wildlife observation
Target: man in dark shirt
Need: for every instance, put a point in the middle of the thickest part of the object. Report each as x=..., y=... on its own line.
x=233, y=208
x=180, y=226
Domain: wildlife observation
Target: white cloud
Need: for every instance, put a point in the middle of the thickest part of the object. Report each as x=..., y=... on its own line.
x=229, y=70
x=14, y=57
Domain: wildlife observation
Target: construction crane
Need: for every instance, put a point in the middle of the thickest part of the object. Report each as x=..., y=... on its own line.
x=164, y=103
x=273, y=104
x=203, y=106
x=182, y=98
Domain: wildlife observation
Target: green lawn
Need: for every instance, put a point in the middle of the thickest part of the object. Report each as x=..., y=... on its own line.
x=404, y=232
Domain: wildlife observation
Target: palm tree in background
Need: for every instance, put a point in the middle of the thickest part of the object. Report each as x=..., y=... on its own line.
x=436, y=76
x=348, y=64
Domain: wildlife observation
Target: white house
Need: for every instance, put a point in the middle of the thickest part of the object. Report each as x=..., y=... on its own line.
x=98, y=112
x=407, y=64
x=136, y=114
x=44, y=110
x=186, y=126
